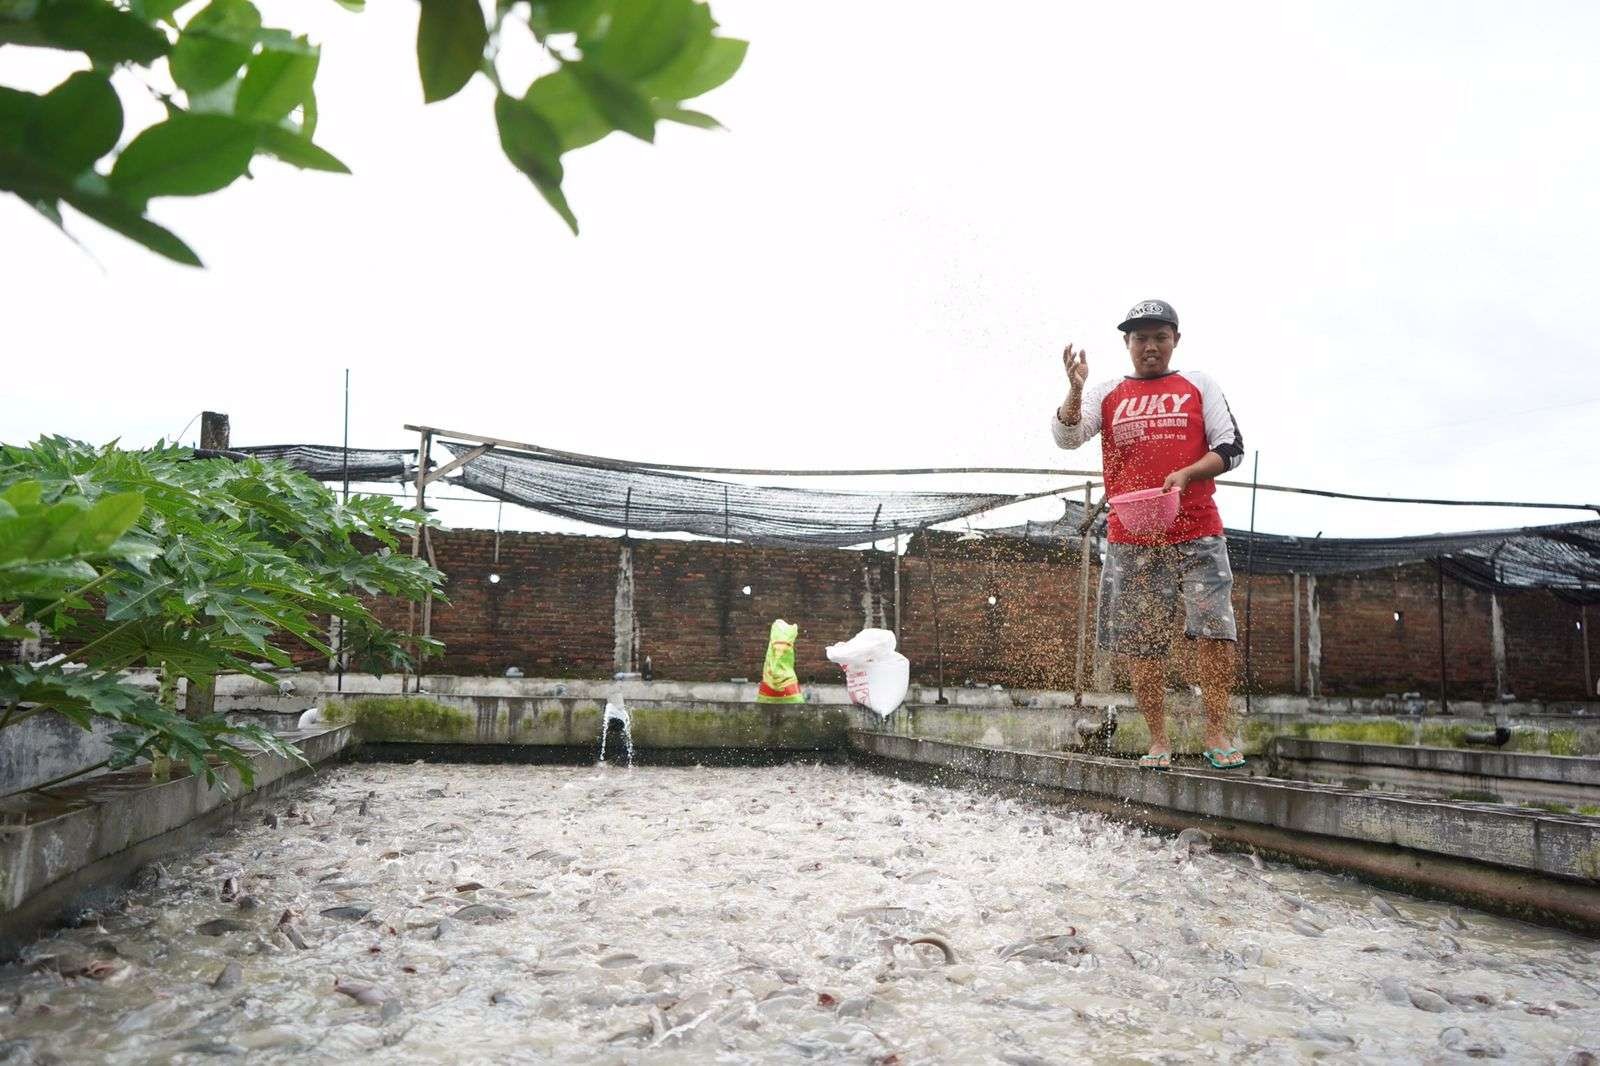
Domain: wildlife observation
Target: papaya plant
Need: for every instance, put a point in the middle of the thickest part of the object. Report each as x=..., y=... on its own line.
x=234, y=89
x=192, y=567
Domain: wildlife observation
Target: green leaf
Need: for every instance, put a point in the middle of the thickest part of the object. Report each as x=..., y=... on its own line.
x=187, y=155
x=698, y=69
x=275, y=83
x=671, y=112
x=308, y=115
x=533, y=148
x=63, y=540
x=642, y=36
x=298, y=151
x=280, y=40
x=42, y=580
x=217, y=100
x=109, y=518
x=451, y=36
x=214, y=44
x=77, y=122
x=569, y=110
x=103, y=32
x=17, y=109
x=127, y=220
x=566, y=16
x=623, y=105
x=352, y=5
x=158, y=10
x=24, y=495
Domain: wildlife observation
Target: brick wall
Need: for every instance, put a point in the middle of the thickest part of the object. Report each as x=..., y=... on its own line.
x=553, y=610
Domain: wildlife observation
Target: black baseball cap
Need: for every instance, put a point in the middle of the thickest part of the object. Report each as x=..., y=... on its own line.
x=1150, y=311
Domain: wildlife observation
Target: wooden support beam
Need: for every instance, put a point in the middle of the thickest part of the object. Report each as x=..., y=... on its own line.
x=214, y=431
x=455, y=464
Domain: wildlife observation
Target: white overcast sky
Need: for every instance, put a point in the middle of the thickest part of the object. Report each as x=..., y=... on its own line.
x=1377, y=221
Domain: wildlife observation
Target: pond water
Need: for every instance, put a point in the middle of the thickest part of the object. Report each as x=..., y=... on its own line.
x=607, y=915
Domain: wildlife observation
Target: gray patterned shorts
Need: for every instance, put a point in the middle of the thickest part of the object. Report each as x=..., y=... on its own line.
x=1140, y=587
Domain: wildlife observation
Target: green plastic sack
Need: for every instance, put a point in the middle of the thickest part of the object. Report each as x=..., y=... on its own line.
x=779, y=684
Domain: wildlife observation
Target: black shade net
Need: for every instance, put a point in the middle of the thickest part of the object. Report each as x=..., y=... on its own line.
x=1563, y=557
x=608, y=494
x=327, y=462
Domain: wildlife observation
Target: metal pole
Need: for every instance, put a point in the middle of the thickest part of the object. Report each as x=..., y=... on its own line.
x=1249, y=583
x=933, y=592
x=346, y=434
x=424, y=445
x=338, y=647
x=499, y=512
x=1588, y=677
x=1295, y=580
x=1083, y=592
x=1444, y=676
x=627, y=513
x=897, y=584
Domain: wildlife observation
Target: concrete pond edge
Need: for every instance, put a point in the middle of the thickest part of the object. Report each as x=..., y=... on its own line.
x=55, y=869
x=1380, y=844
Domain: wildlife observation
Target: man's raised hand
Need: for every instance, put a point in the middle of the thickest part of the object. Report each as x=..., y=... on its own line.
x=1076, y=360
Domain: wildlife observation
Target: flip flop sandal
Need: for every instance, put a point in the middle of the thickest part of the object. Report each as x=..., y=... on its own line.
x=1224, y=758
x=1162, y=761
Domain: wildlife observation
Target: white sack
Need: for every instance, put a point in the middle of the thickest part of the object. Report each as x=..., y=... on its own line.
x=863, y=648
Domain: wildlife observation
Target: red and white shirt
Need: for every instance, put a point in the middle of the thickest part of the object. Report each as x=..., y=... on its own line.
x=1150, y=427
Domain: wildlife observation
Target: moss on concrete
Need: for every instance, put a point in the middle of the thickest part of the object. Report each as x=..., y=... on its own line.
x=1590, y=809
x=403, y=718
x=1404, y=732
x=1475, y=797
x=1564, y=742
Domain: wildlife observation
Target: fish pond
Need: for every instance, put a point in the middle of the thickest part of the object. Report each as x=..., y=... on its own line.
x=800, y=913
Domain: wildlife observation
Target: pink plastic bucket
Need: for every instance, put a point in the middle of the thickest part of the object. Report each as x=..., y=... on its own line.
x=1147, y=511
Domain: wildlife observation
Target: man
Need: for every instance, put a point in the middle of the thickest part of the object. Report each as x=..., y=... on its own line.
x=1172, y=429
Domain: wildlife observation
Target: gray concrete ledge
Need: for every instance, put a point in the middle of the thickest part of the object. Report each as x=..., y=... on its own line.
x=1529, y=863
x=1562, y=769
x=47, y=746
x=299, y=690
x=79, y=846
x=1511, y=777
x=574, y=722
